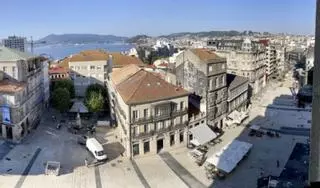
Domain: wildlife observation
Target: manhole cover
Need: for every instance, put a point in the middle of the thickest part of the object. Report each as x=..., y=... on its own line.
x=113, y=164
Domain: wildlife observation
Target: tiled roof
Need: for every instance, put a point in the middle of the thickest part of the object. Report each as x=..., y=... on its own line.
x=57, y=70
x=8, y=54
x=205, y=55
x=143, y=87
x=234, y=81
x=118, y=59
x=119, y=75
x=9, y=86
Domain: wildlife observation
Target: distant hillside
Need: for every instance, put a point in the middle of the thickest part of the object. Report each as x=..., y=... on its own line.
x=80, y=38
x=210, y=34
x=138, y=39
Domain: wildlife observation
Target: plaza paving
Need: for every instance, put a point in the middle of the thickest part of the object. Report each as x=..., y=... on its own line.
x=173, y=168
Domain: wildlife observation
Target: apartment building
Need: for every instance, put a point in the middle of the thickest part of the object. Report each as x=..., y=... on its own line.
x=271, y=62
x=150, y=113
x=203, y=73
x=237, y=93
x=14, y=42
x=245, y=58
x=24, y=91
x=58, y=73
x=91, y=66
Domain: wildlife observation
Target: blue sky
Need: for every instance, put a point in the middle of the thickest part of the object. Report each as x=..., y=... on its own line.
x=39, y=18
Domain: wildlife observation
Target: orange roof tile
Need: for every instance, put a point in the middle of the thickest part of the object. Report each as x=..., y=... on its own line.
x=58, y=70
x=10, y=86
x=117, y=76
x=118, y=59
x=143, y=87
x=205, y=54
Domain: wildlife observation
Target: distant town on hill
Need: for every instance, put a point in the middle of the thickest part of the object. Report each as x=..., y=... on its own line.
x=94, y=38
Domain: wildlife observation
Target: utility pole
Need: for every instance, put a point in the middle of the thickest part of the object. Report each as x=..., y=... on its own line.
x=314, y=164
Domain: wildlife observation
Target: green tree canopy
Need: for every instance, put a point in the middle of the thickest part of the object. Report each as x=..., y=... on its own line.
x=95, y=102
x=61, y=99
x=68, y=84
x=95, y=97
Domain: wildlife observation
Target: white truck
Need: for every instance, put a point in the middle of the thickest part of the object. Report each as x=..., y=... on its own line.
x=96, y=149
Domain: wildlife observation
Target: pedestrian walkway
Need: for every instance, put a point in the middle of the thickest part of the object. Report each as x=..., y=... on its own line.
x=180, y=171
x=158, y=174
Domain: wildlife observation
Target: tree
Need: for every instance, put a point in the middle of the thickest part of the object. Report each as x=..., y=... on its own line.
x=95, y=102
x=61, y=99
x=68, y=84
x=95, y=97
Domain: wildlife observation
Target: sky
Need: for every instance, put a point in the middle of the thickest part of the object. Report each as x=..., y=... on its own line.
x=39, y=18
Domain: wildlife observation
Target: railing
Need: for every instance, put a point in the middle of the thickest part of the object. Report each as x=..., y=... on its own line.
x=181, y=112
x=162, y=117
x=160, y=131
x=197, y=117
x=143, y=120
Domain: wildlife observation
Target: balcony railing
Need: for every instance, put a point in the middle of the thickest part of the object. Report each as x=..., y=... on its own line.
x=143, y=120
x=160, y=131
x=180, y=112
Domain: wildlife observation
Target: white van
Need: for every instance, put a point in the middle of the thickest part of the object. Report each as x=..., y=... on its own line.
x=96, y=149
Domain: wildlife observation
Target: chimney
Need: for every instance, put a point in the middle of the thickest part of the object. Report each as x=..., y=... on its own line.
x=110, y=64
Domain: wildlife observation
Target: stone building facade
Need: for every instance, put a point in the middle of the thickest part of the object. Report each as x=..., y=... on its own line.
x=23, y=92
x=203, y=73
x=245, y=58
x=237, y=93
x=150, y=114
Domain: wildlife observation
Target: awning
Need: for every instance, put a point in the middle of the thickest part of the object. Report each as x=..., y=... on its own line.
x=79, y=107
x=230, y=155
x=202, y=134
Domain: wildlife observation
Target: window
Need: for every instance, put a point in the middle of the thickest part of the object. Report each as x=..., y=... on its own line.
x=4, y=69
x=146, y=128
x=92, y=67
x=145, y=113
x=172, y=140
x=210, y=68
x=223, y=66
x=135, y=149
x=223, y=79
x=135, y=131
x=217, y=82
x=83, y=67
x=146, y=146
x=77, y=67
x=13, y=71
x=181, y=137
x=181, y=105
x=98, y=67
x=135, y=114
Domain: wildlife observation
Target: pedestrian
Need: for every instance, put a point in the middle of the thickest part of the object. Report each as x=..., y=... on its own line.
x=86, y=162
x=278, y=163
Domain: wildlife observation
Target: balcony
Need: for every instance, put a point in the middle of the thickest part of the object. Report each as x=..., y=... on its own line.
x=162, y=117
x=143, y=120
x=144, y=135
x=180, y=112
x=160, y=131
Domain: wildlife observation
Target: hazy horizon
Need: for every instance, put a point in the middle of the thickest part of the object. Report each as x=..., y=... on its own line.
x=130, y=18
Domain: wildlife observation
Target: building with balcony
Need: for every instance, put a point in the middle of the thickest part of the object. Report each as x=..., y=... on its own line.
x=14, y=42
x=150, y=113
x=58, y=73
x=91, y=67
x=245, y=58
x=237, y=93
x=24, y=91
x=271, y=62
x=203, y=73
